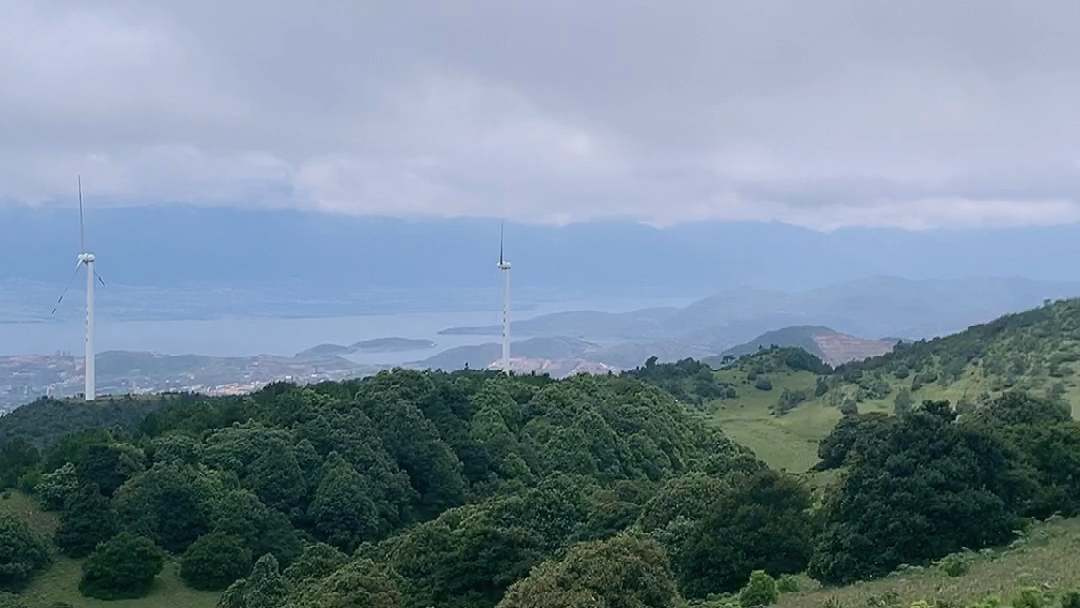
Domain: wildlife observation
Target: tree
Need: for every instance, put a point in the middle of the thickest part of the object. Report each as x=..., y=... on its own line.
x=278, y=481
x=123, y=567
x=56, y=488
x=951, y=486
x=343, y=513
x=239, y=512
x=17, y=457
x=760, y=522
x=265, y=587
x=23, y=554
x=760, y=590
x=358, y=583
x=171, y=504
x=902, y=402
x=627, y=571
x=87, y=520
x=214, y=562
x=108, y=466
x=317, y=561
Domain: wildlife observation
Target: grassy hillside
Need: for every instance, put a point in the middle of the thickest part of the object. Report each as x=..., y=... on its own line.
x=1044, y=559
x=1036, y=351
x=60, y=584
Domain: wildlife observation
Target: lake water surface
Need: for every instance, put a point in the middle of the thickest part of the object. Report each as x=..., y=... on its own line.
x=281, y=336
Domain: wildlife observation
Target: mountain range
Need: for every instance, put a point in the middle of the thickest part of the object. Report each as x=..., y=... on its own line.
x=876, y=307
x=173, y=245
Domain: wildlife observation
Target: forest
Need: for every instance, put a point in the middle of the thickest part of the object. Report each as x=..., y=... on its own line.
x=473, y=489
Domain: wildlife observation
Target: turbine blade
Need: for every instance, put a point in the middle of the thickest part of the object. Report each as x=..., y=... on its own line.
x=82, y=231
x=101, y=280
x=502, y=231
x=67, y=287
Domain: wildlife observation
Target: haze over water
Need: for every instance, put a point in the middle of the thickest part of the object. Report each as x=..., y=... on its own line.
x=282, y=336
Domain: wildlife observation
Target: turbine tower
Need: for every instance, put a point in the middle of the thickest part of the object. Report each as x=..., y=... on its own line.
x=504, y=267
x=85, y=259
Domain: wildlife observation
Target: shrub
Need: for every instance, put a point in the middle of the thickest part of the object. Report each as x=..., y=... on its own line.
x=760, y=590
x=23, y=554
x=956, y=564
x=87, y=521
x=1070, y=599
x=215, y=561
x=787, y=584
x=123, y=567
x=1030, y=597
x=763, y=384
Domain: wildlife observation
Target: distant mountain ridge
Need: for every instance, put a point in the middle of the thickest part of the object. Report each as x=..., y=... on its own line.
x=169, y=245
x=875, y=306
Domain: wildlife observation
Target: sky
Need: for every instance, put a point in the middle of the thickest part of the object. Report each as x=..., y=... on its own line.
x=827, y=114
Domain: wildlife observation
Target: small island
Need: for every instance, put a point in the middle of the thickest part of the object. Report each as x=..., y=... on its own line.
x=392, y=345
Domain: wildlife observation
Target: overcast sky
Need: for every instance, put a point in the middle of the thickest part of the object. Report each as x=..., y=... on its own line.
x=824, y=113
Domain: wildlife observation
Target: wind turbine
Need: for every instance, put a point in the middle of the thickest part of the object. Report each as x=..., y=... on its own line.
x=85, y=259
x=504, y=267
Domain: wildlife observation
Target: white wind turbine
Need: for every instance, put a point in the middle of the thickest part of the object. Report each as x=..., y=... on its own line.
x=87, y=259
x=504, y=267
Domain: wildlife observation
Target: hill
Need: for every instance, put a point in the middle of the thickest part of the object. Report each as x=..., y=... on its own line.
x=877, y=306
x=1036, y=351
x=476, y=488
x=830, y=346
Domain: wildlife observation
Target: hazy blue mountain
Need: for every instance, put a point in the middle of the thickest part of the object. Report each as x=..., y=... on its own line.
x=258, y=249
x=873, y=308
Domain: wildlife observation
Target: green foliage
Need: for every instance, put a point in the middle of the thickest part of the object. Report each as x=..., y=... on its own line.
x=359, y=583
x=57, y=487
x=821, y=387
x=1030, y=597
x=1070, y=599
x=317, y=561
x=760, y=590
x=22, y=553
x=953, y=486
x=624, y=571
x=123, y=567
x=170, y=504
x=687, y=380
x=46, y=421
x=88, y=519
x=17, y=458
x=789, y=399
x=787, y=584
x=343, y=513
x=265, y=587
x=903, y=402
x=108, y=466
x=215, y=561
x=760, y=521
x=763, y=384
x=955, y=564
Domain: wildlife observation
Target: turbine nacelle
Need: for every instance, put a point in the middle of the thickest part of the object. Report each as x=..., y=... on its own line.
x=85, y=258
x=503, y=265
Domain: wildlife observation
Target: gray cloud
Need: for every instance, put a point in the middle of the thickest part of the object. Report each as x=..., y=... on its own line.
x=827, y=114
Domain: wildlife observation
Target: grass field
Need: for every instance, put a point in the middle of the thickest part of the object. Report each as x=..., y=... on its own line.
x=60, y=583
x=1046, y=558
x=789, y=442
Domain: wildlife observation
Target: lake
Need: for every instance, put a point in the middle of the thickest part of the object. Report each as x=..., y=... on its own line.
x=284, y=336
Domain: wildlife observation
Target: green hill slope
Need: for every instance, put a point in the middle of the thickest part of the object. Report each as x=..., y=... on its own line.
x=1036, y=351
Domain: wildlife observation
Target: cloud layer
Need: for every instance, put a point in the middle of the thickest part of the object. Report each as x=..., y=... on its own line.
x=825, y=114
